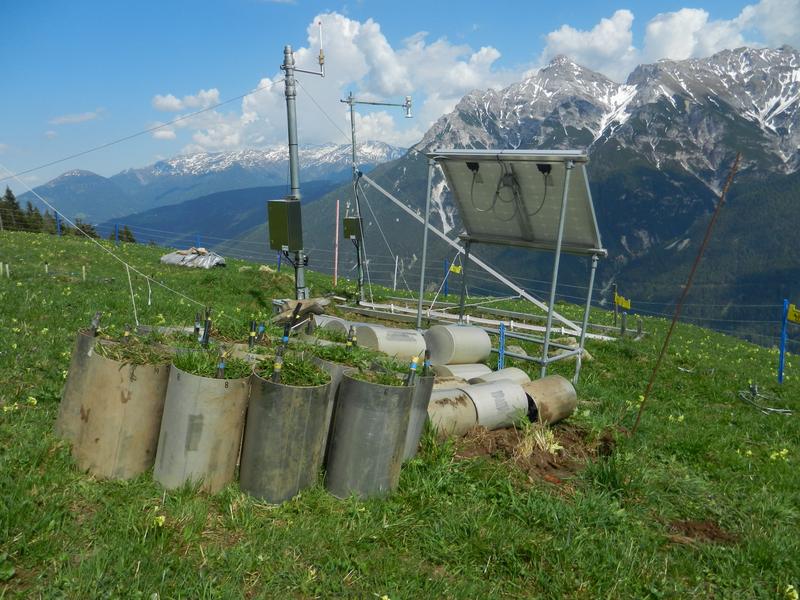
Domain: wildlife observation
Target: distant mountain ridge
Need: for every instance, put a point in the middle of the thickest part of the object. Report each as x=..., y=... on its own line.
x=92, y=197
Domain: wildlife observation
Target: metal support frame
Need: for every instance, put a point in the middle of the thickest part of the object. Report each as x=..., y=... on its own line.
x=462, y=300
x=431, y=165
x=351, y=101
x=585, y=323
x=569, y=165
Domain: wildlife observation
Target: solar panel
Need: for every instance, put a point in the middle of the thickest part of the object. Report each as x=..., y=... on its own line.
x=513, y=197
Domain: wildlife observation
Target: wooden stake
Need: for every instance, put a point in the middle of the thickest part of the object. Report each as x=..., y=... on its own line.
x=336, y=246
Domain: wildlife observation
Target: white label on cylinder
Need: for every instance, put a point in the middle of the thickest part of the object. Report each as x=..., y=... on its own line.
x=500, y=401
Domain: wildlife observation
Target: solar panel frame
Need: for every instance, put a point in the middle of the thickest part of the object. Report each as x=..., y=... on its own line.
x=504, y=197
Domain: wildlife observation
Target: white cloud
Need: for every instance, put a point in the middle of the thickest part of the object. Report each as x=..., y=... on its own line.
x=438, y=73
x=200, y=100
x=778, y=21
x=359, y=58
x=4, y=148
x=164, y=134
x=51, y=134
x=71, y=119
x=689, y=33
x=607, y=47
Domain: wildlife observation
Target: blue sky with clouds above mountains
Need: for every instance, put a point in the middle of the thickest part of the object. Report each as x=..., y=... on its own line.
x=79, y=74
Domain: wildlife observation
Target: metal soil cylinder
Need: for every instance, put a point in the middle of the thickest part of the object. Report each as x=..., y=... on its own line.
x=335, y=370
x=452, y=412
x=367, y=438
x=403, y=344
x=121, y=418
x=457, y=344
x=68, y=423
x=498, y=403
x=512, y=373
x=332, y=323
x=418, y=415
x=551, y=399
x=201, y=430
x=462, y=371
x=284, y=439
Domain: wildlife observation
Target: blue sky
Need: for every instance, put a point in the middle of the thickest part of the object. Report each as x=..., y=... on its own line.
x=78, y=74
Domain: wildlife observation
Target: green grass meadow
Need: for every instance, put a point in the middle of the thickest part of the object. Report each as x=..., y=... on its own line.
x=477, y=528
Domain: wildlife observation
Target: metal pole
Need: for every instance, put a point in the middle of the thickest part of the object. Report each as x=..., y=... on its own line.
x=351, y=101
x=568, y=166
x=196, y=240
x=585, y=324
x=444, y=284
x=301, y=291
x=336, y=246
x=501, y=347
x=616, y=309
x=462, y=300
x=394, y=279
x=623, y=324
x=782, y=359
x=431, y=164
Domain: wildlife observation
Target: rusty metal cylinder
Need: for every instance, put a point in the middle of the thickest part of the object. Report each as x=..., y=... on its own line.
x=418, y=415
x=284, y=439
x=68, y=422
x=121, y=414
x=452, y=412
x=367, y=439
x=550, y=399
x=201, y=430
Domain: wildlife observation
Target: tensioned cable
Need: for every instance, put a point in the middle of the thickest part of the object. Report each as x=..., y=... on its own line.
x=98, y=244
x=131, y=136
x=383, y=235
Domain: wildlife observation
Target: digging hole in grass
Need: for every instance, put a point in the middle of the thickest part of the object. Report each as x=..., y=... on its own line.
x=542, y=452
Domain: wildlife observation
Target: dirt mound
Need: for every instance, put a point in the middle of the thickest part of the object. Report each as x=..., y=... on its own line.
x=549, y=453
x=690, y=532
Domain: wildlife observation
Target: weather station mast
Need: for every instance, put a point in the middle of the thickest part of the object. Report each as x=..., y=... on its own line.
x=353, y=225
x=284, y=216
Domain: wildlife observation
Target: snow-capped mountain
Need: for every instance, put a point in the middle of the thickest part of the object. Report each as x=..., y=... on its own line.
x=95, y=198
x=322, y=158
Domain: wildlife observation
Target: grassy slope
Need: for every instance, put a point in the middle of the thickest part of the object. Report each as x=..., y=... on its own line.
x=454, y=529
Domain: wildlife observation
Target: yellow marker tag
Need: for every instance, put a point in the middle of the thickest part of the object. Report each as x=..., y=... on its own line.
x=455, y=268
x=622, y=302
x=794, y=314
x=252, y=334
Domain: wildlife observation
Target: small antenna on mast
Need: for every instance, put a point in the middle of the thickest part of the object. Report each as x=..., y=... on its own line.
x=321, y=52
x=407, y=106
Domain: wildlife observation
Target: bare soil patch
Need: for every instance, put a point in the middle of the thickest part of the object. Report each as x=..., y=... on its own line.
x=691, y=531
x=566, y=454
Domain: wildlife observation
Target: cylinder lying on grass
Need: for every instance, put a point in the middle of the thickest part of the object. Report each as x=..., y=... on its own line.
x=403, y=344
x=418, y=415
x=452, y=412
x=284, y=439
x=550, y=399
x=331, y=323
x=367, y=438
x=121, y=412
x=201, y=430
x=511, y=373
x=68, y=423
x=457, y=344
x=498, y=403
x=466, y=372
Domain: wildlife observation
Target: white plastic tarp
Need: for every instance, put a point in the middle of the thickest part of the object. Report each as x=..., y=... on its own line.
x=194, y=257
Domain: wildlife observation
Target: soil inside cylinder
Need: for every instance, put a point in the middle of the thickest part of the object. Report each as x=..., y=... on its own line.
x=121, y=414
x=367, y=438
x=68, y=424
x=284, y=439
x=201, y=430
x=418, y=415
